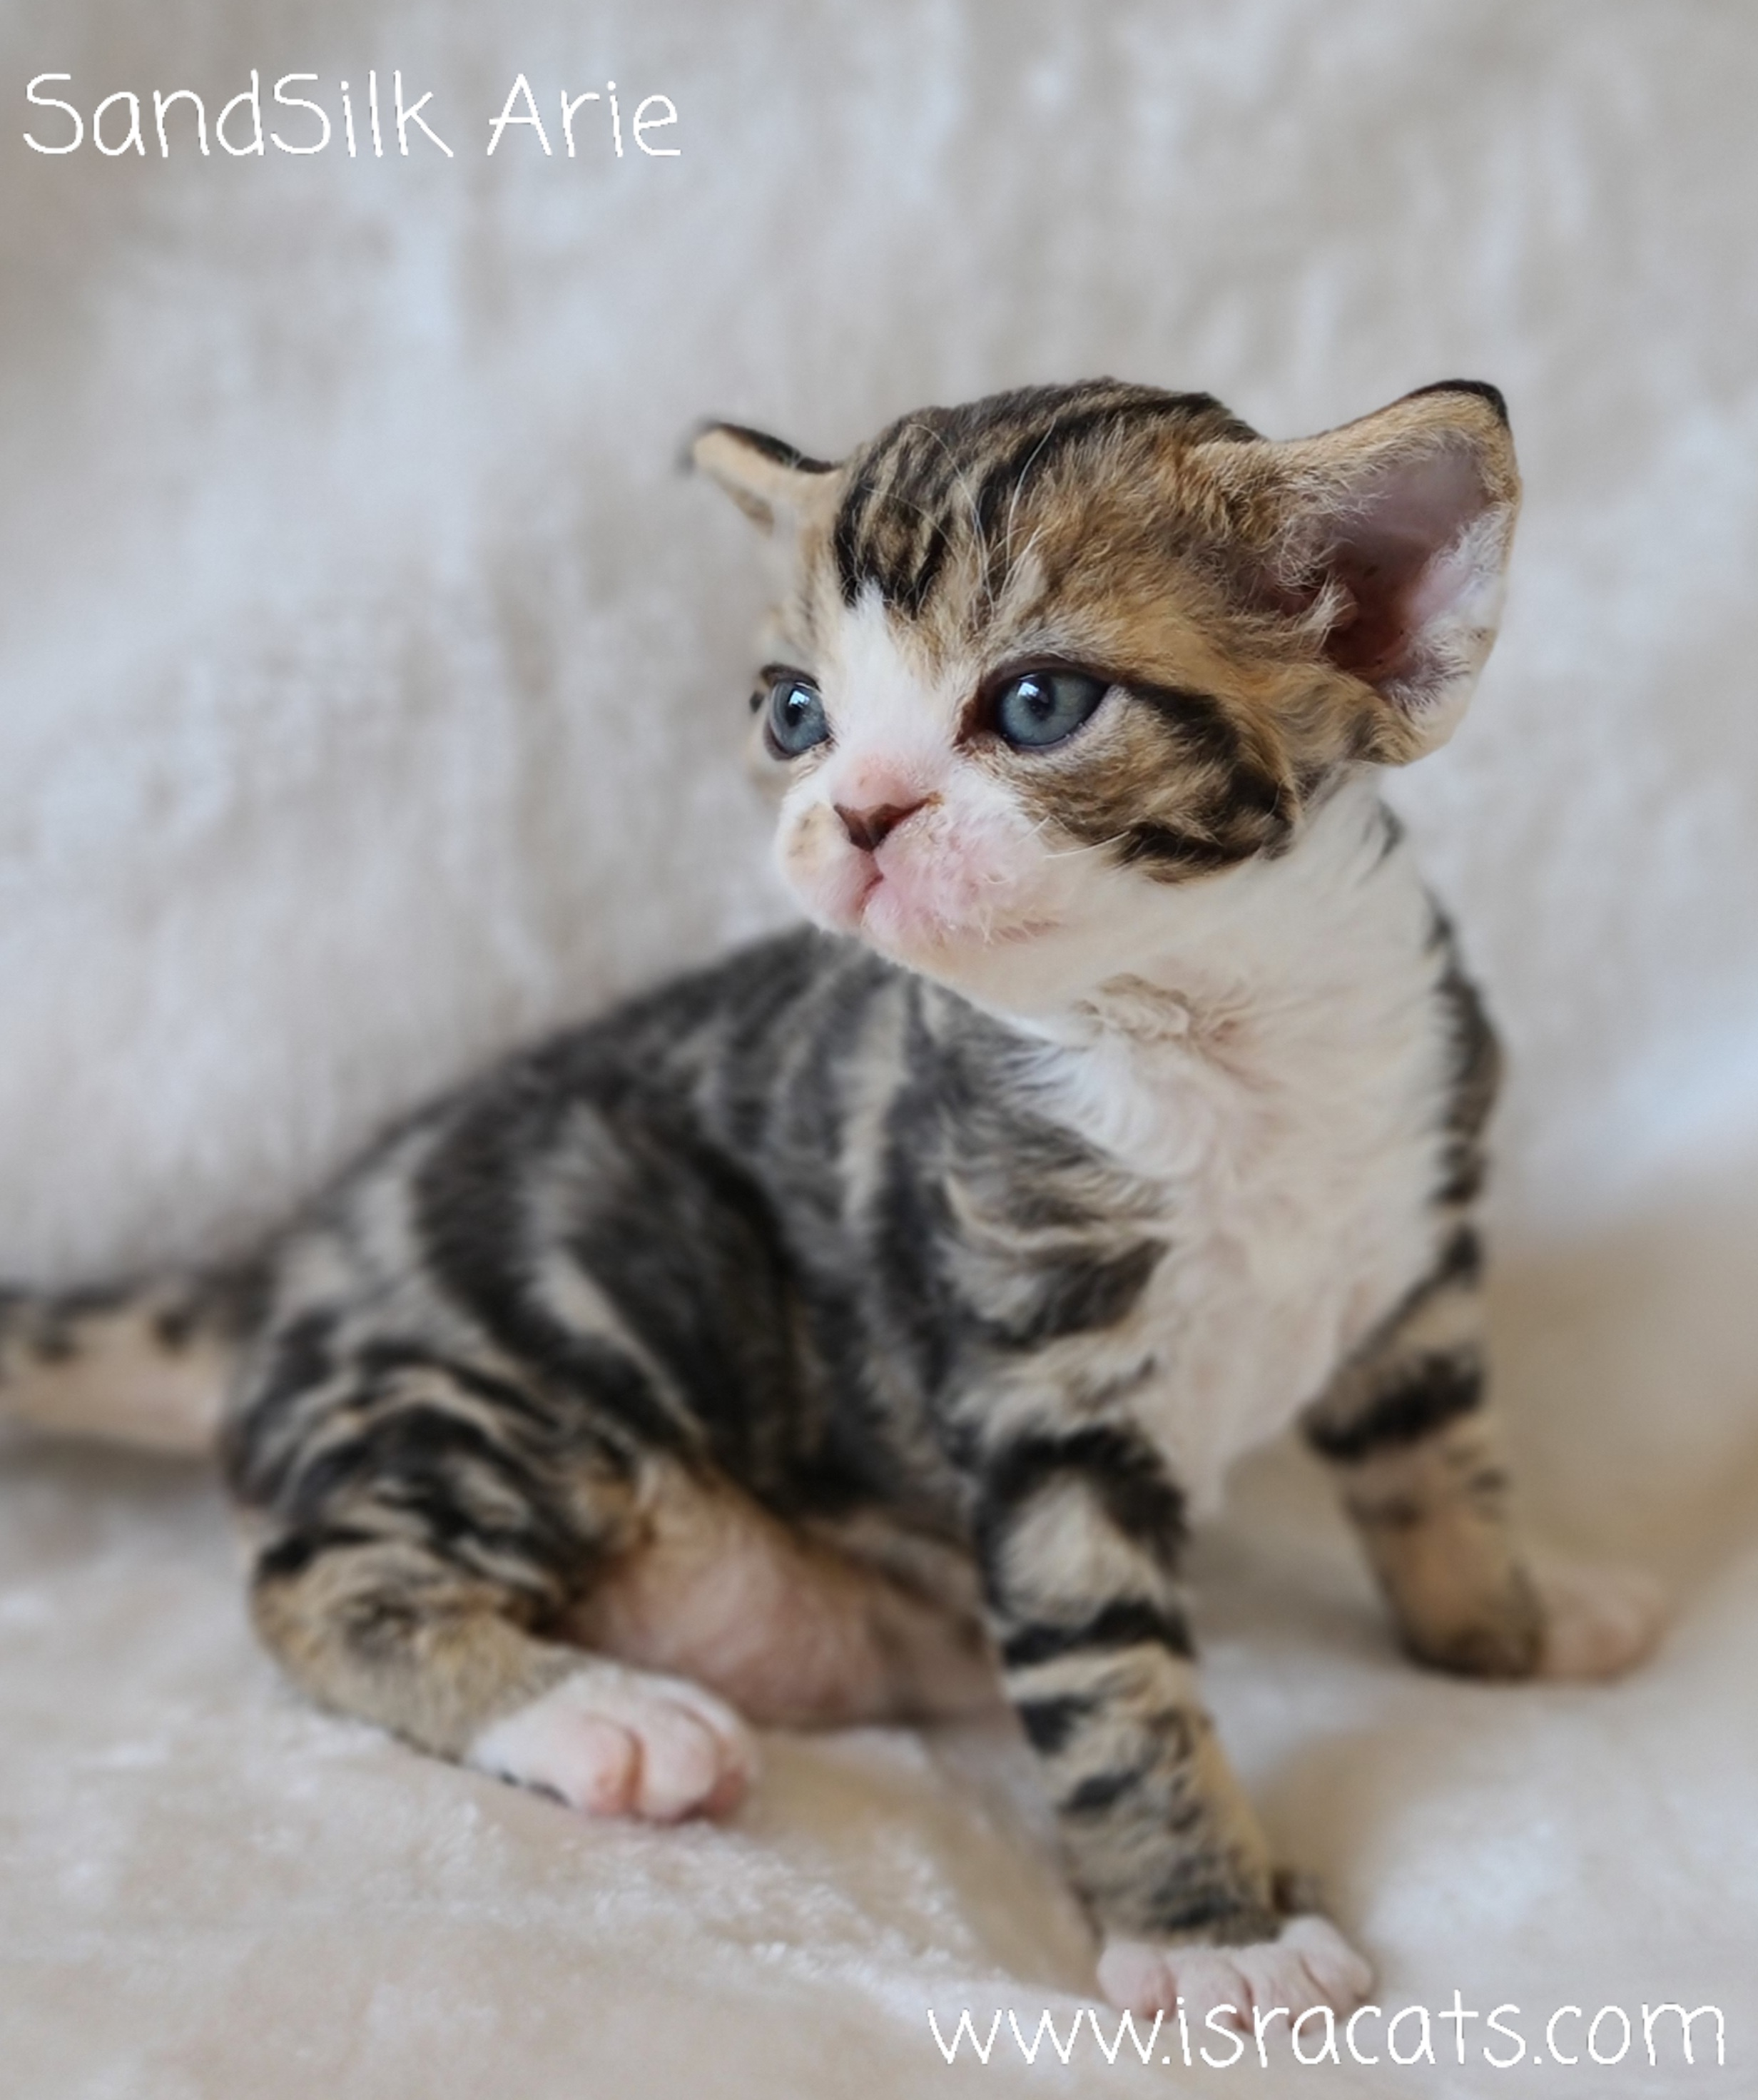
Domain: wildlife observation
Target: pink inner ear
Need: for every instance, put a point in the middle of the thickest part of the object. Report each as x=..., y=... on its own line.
x=1385, y=552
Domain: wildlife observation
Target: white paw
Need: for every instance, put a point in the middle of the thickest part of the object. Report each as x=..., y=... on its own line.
x=615, y=1741
x=1309, y=1964
x=1598, y=1622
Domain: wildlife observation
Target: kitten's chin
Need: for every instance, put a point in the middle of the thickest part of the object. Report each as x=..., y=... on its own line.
x=877, y=911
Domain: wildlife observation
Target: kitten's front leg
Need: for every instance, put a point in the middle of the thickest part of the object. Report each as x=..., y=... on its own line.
x=1080, y=1536
x=1405, y=1426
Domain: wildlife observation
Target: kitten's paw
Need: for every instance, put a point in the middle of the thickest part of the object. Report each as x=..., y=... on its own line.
x=615, y=1741
x=1598, y=1622
x=1308, y=1964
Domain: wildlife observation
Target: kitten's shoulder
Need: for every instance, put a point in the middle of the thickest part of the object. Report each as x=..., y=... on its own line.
x=748, y=1004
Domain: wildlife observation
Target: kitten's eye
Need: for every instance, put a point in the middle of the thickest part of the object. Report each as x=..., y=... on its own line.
x=1044, y=707
x=795, y=719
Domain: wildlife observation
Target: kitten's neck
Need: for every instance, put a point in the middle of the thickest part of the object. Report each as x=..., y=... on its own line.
x=1288, y=1002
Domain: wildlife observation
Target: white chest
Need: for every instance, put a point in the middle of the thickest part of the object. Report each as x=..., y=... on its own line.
x=1294, y=1142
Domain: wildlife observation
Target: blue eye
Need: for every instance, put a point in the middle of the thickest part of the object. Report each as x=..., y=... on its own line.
x=1041, y=708
x=795, y=718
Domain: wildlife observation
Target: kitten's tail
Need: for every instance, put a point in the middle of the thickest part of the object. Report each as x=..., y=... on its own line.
x=145, y=1363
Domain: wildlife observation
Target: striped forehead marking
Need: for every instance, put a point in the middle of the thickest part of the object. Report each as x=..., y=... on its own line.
x=945, y=480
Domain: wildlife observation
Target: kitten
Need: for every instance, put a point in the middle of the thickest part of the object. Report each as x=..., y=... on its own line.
x=851, y=1329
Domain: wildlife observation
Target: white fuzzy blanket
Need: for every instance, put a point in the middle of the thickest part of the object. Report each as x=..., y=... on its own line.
x=370, y=694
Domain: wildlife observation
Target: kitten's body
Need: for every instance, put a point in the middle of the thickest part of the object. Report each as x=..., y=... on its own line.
x=849, y=1333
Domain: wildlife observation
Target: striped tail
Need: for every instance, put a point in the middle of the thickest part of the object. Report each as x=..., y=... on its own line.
x=146, y=1363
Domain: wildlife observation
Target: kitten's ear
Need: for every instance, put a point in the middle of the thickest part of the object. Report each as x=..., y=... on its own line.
x=1396, y=533
x=771, y=481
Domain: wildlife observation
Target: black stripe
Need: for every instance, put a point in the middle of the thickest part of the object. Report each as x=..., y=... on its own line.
x=1461, y=1262
x=1125, y=1623
x=1081, y=1293
x=692, y=1254
x=1427, y=1393
x=1203, y=727
x=1458, y=1267
x=1164, y=847
x=1038, y=450
x=175, y=1327
x=92, y=1298
x=1206, y=734
x=1480, y=387
x=291, y=1556
x=1060, y=423
x=851, y=516
x=1100, y=1793
x=408, y=1458
x=1049, y=1723
x=301, y=1357
x=1474, y=1078
x=380, y=1361
x=910, y=590
x=1121, y=1468
x=1192, y=1900
x=771, y=449
x=470, y=1194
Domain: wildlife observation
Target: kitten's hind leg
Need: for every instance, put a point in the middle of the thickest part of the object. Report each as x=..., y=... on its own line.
x=1406, y=1428
x=419, y=1539
x=386, y=1632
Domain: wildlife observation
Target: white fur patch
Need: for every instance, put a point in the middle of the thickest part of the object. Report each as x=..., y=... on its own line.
x=615, y=1741
x=1308, y=1965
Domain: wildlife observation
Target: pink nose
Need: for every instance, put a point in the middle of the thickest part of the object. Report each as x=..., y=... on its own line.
x=869, y=828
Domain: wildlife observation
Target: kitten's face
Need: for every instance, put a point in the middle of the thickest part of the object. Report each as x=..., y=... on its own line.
x=1045, y=659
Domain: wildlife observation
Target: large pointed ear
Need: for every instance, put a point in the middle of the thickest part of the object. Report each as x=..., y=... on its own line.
x=771, y=481
x=1396, y=533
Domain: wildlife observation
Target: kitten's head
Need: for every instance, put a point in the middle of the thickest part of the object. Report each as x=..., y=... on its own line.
x=1043, y=661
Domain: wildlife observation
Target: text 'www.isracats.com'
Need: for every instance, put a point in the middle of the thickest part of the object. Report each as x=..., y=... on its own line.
x=1570, y=2035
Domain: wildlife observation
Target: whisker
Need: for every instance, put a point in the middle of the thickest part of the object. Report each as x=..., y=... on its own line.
x=1041, y=825
x=1098, y=845
x=958, y=471
x=1013, y=502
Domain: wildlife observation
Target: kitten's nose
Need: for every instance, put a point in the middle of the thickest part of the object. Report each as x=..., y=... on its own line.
x=869, y=828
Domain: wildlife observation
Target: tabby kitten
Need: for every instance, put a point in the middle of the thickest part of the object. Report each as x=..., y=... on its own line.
x=854, y=1326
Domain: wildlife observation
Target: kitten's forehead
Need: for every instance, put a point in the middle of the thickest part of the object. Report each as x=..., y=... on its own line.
x=883, y=680
x=951, y=510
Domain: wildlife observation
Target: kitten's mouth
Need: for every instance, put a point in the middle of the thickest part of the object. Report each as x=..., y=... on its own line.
x=883, y=911
x=872, y=881
x=920, y=909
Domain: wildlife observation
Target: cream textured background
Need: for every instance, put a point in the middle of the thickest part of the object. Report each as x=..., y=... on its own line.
x=370, y=694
